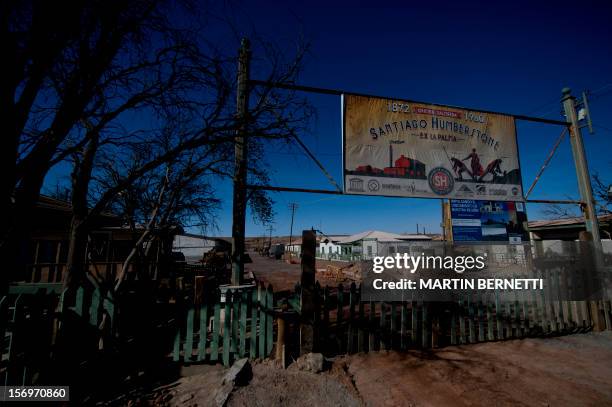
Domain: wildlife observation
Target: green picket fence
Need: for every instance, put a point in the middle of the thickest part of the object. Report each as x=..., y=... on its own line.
x=31, y=316
x=346, y=324
x=224, y=331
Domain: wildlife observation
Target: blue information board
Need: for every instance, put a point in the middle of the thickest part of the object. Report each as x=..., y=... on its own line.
x=478, y=221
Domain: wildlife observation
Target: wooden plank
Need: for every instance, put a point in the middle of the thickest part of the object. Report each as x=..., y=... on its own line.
x=606, y=307
x=4, y=318
x=188, y=348
x=543, y=305
x=261, y=351
x=94, y=308
x=565, y=289
x=79, y=300
x=339, y=317
x=108, y=305
x=414, y=328
x=393, y=326
x=560, y=313
x=453, y=324
x=216, y=332
x=463, y=335
x=351, y=319
x=490, y=322
x=325, y=328
x=227, y=328
x=535, y=311
x=244, y=309
x=404, y=325
x=383, y=327
x=511, y=323
x=13, y=368
x=471, y=318
x=269, y=320
x=253, y=342
x=203, y=331
x=425, y=340
x=371, y=327
x=235, y=323
x=517, y=315
x=552, y=313
x=499, y=317
x=481, y=320
x=360, y=325
x=176, y=352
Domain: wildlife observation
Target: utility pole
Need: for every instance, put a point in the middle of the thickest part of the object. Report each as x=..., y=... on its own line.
x=240, y=163
x=270, y=229
x=582, y=169
x=292, y=206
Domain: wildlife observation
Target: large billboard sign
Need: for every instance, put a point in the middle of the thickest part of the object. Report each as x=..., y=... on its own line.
x=488, y=221
x=395, y=148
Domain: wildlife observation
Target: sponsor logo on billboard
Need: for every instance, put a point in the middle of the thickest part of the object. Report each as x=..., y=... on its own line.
x=395, y=187
x=356, y=184
x=497, y=192
x=465, y=190
x=441, y=181
x=373, y=185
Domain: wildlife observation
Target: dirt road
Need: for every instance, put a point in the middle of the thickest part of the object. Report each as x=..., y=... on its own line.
x=564, y=371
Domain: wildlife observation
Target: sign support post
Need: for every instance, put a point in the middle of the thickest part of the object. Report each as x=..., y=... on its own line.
x=582, y=169
x=240, y=167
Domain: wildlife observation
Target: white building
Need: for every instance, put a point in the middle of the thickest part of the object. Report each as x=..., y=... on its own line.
x=367, y=244
x=329, y=246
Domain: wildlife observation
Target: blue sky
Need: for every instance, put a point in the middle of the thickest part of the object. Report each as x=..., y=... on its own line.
x=512, y=58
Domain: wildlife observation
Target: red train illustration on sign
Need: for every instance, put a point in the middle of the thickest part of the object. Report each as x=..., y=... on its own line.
x=403, y=167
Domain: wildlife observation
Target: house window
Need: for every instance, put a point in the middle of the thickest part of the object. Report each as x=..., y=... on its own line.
x=369, y=250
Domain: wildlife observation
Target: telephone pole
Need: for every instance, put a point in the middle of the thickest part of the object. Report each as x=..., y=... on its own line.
x=270, y=229
x=582, y=169
x=292, y=206
x=240, y=163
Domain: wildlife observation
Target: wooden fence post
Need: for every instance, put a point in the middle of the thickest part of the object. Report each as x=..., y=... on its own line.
x=308, y=294
x=280, y=341
x=351, y=321
x=216, y=331
x=269, y=327
x=253, y=341
x=227, y=328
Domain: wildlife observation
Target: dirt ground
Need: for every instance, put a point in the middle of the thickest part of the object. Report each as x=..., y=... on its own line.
x=564, y=371
x=283, y=275
x=272, y=386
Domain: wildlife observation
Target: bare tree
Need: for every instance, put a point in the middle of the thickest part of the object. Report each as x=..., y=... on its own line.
x=84, y=77
x=74, y=64
x=600, y=194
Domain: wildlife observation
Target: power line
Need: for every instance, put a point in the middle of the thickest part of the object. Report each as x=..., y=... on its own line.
x=595, y=94
x=292, y=206
x=602, y=127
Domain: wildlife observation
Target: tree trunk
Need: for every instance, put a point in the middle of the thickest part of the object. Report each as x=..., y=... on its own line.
x=75, y=263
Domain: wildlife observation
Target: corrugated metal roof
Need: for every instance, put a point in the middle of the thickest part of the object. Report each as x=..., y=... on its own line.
x=538, y=224
x=382, y=237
